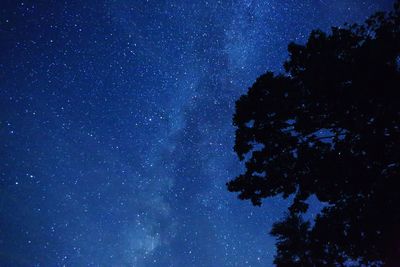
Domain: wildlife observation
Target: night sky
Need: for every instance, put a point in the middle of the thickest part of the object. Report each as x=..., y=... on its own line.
x=115, y=127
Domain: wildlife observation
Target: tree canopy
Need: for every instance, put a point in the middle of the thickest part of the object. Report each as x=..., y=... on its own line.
x=329, y=126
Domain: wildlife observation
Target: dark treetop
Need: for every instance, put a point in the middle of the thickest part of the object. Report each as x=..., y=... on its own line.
x=330, y=127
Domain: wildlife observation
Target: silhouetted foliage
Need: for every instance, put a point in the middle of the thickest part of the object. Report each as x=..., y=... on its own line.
x=330, y=127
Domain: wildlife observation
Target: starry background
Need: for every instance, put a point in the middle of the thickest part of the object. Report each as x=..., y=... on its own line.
x=115, y=127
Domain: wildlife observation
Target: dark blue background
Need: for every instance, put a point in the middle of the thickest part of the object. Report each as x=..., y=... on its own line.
x=115, y=127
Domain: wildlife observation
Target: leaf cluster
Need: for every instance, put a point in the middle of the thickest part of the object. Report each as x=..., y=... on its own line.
x=330, y=127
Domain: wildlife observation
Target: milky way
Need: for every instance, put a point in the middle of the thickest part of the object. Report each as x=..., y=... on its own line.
x=115, y=127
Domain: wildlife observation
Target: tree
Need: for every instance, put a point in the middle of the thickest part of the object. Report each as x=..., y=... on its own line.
x=329, y=126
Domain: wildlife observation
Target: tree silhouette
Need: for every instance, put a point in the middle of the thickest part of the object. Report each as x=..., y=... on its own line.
x=330, y=127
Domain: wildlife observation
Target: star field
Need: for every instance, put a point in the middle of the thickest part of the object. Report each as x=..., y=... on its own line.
x=115, y=127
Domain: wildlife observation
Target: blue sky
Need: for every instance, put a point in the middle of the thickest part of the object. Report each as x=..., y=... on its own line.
x=115, y=127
